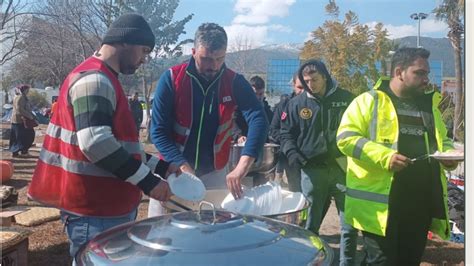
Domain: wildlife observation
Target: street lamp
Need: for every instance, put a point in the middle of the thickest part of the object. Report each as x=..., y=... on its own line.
x=418, y=16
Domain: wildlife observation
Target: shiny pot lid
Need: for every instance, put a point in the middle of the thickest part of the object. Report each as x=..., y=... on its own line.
x=206, y=237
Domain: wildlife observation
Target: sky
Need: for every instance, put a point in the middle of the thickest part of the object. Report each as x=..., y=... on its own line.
x=266, y=22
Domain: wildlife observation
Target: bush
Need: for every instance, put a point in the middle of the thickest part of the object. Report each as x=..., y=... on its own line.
x=37, y=99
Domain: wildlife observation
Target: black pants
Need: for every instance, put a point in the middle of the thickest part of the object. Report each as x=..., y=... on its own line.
x=21, y=138
x=293, y=174
x=403, y=244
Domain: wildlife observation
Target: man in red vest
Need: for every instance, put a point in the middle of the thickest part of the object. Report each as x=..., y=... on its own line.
x=192, y=114
x=92, y=166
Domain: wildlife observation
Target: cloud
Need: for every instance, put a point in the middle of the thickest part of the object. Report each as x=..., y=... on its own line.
x=433, y=26
x=260, y=12
x=250, y=27
x=279, y=28
x=243, y=36
x=427, y=27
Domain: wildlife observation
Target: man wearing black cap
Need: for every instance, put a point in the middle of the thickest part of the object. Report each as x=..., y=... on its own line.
x=92, y=166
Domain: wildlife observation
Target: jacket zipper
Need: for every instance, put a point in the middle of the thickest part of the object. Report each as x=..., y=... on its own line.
x=202, y=111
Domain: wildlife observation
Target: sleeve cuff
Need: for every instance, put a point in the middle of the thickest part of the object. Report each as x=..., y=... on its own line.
x=148, y=183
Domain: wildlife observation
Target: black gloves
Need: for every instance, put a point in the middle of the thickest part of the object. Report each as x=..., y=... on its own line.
x=296, y=159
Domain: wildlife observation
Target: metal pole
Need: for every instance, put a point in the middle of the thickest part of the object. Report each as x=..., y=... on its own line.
x=418, y=37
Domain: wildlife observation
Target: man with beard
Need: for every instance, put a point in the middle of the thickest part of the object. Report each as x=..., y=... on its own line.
x=92, y=166
x=395, y=192
x=192, y=115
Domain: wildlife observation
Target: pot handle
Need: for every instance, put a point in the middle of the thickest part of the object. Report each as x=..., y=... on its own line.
x=213, y=209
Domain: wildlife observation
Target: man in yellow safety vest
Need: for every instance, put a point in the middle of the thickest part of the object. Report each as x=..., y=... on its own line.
x=395, y=192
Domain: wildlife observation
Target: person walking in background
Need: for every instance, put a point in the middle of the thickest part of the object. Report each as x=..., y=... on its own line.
x=137, y=110
x=240, y=129
x=92, y=166
x=53, y=106
x=23, y=123
x=192, y=115
x=293, y=174
x=395, y=192
x=308, y=137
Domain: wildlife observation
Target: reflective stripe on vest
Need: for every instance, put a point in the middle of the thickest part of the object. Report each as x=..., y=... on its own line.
x=347, y=134
x=181, y=130
x=226, y=126
x=70, y=137
x=373, y=122
x=73, y=166
x=357, y=152
x=366, y=195
x=227, y=136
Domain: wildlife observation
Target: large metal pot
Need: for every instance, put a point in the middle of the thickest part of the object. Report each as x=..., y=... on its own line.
x=206, y=237
x=216, y=196
x=264, y=163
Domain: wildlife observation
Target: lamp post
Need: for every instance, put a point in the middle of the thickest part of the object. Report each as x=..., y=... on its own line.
x=418, y=16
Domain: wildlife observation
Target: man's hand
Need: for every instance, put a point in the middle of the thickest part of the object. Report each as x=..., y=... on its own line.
x=242, y=139
x=186, y=168
x=399, y=162
x=173, y=168
x=234, y=177
x=161, y=192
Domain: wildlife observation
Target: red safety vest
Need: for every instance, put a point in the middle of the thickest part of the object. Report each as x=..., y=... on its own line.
x=65, y=178
x=183, y=98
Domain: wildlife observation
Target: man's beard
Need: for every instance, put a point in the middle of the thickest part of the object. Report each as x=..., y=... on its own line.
x=209, y=75
x=128, y=70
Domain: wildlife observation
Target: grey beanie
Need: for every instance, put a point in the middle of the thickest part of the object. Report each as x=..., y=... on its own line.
x=131, y=29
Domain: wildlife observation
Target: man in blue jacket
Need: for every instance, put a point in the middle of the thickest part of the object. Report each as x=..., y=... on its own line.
x=192, y=114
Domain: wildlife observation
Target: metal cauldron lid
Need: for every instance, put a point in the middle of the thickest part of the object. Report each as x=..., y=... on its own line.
x=194, y=232
x=205, y=237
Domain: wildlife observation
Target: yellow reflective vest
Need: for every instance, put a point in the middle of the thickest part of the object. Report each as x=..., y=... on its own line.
x=368, y=136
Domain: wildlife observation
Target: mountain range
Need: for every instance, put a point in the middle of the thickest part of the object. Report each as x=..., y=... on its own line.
x=255, y=60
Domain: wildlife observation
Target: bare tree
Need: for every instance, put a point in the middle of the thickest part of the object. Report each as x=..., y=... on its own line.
x=66, y=32
x=13, y=22
x=238, y=46
x=160, y=15
x=61, y=35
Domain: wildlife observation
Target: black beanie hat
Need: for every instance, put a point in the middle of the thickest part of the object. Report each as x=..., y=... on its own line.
x=131, y=29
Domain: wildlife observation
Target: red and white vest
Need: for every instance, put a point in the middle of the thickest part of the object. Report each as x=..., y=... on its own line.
x=65, y=178
x=182, y=83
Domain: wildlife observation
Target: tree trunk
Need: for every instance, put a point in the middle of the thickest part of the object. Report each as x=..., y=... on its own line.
x=459, y=93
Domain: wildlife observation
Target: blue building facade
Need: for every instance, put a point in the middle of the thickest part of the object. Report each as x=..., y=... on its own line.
x=279, y=74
